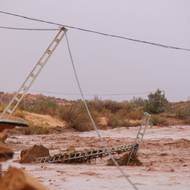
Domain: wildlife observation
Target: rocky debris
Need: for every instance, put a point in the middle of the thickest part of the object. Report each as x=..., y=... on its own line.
x=29, y=155
x=123, y=161
x=16, y=179
x=3, y=136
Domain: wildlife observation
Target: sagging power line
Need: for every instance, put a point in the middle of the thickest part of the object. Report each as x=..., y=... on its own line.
x=124, y=174
x=28, y=29
x=96, y=32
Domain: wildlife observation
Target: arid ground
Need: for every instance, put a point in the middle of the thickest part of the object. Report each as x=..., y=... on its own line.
x=165, y=155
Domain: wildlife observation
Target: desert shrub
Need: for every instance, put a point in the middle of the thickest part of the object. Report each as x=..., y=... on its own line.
x=125, y=109
x=127, y=106
x=43, y=106
x=181, y=110
x=136, y=114
x=159, y=120
x=112, y=106
x=130, y=111
x=96, y=105
x=118, y=113
x=183, y=113
x=156, y=103
x=137, y=102
x=114, y=120
x=76, y=117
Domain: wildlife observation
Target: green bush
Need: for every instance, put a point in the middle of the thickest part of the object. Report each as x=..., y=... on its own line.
x=156, y=103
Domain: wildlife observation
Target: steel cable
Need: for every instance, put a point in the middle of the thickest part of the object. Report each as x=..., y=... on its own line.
x=28, y=29
x=96, y=32
x=90, y=115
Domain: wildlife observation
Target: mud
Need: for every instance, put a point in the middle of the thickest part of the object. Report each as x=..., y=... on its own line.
x=166, y=154
x=165, y=158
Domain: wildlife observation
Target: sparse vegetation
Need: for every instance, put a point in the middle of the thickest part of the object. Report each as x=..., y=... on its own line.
x=116, y=114
x=41, y=105
x=159, y=120
x=75, y=116
x=115, y=120
x=183, y=113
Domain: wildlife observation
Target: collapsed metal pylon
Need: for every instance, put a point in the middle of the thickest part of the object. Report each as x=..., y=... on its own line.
x=87, y=155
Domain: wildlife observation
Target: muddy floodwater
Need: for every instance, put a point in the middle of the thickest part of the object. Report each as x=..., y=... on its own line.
x=165, y=155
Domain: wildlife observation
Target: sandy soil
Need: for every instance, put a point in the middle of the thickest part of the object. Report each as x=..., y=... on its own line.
x=165, y=155
x=40, y=120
